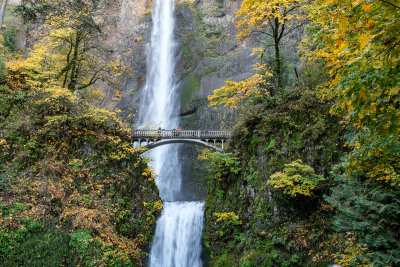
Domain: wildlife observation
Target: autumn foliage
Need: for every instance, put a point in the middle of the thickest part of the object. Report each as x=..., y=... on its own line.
x=350, y=59
x=69, y=175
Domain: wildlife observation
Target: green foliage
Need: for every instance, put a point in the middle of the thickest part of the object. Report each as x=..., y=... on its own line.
x=10, y=41
x=34, y=11
x=3, y=70
x=221, y=165
x=359, y=64
x=221, y=168
x=370, y=212
x=294, y=125
x=296, y=179
x=84, y=248
x=278, y=229
x=34, y=245
x=224, y=260
x=227, y=222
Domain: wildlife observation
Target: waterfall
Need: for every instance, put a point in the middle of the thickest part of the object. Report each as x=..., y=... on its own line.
x=178, y=236
x=159, y=107
x=177, y=241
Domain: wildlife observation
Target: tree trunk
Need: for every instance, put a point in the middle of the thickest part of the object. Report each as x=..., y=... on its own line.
x=2, y=12
x=278, y=67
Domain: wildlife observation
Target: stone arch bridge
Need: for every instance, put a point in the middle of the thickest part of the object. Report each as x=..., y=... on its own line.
x=154, y=138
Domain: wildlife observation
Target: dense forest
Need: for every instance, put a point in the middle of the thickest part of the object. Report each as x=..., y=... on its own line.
x=311, y=176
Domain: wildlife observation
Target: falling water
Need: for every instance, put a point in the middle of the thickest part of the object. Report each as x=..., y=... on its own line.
x=177, y=241
x=159, y=108
x=178, y=235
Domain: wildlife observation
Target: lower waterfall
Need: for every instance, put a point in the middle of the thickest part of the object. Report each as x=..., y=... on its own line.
x=177, y=242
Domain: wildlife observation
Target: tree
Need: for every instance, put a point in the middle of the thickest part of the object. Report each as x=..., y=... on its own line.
x=364, y=70
x=2, y=12
x=68, y=53
x=34, y=11
x=359, y=42
x=232, y=94
x=273, y=19
x=370, y=213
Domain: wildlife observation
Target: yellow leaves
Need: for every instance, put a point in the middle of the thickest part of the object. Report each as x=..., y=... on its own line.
x=3, y=145
x=354, y=253
x=255, y=15
x=296, y=179
x=257, y=51
x=371, y=24
x=364, y=38
x=232, y=94
x=148, y=172
x=332, y=2
x=15, y=65
x=228, y=217
x=356, y=2
x=367, y=7
x=356, y=39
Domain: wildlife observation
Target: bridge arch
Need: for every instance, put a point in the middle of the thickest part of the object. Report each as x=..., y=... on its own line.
x=206, y=138
x=151, y=145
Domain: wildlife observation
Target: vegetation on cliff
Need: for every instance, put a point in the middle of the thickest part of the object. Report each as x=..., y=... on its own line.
x=73, y=191
x=312, y=175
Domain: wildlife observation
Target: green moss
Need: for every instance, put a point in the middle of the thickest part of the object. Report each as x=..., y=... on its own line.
x=189, y=88
x=186, y=51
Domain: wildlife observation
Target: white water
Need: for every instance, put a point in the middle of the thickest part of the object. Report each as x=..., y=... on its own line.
x=177, y=241
x=160, y=104
x=179, y=232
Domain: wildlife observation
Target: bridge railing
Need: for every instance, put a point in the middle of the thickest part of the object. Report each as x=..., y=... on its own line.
x=185, y=134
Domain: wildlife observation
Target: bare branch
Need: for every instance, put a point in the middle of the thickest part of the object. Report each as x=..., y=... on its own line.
x=391, y=4
x=262, y=32
x=292, y=29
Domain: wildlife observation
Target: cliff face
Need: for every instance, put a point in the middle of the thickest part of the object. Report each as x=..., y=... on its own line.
x=207, y=54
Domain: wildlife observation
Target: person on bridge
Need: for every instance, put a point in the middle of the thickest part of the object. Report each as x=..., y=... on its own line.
x=179, y=131
x=174, y=132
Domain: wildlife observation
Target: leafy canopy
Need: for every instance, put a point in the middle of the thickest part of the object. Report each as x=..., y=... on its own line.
x=364, y=68
x=69, y=52
x=232, y=94
x=363, y=63
x=269, y=21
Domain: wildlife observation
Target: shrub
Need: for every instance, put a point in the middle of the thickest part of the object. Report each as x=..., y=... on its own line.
x=296, y=179
x=34, y=245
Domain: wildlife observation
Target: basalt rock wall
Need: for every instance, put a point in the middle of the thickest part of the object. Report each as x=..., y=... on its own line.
x=207, y=54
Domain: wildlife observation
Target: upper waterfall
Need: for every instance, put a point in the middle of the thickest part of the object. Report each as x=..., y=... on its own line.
x=160, y=99
x=160, y=105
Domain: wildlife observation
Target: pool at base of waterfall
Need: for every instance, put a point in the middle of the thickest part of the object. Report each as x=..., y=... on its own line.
x=177, y=241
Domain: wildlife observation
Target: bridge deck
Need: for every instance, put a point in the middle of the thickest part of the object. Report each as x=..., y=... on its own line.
x=182, y=134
